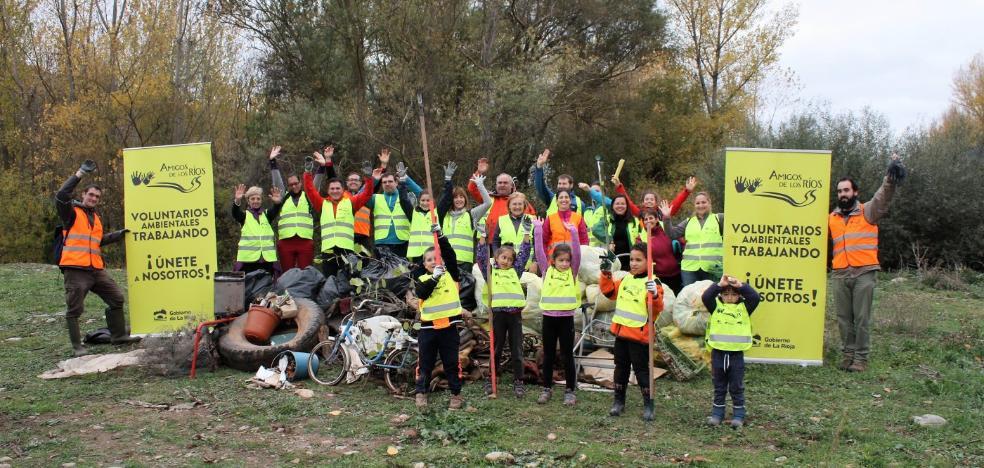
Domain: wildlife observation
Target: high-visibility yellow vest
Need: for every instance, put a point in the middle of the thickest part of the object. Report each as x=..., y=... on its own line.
x=337, y=225
x=256, y=240
x=507, y=291
x=421, y=237
x=458, y=229
x=705, y=246
x=443, y=302
x=591, y=218
x=729, y=328
x=82, y=242
x=630, y=303
x=509, y=234
x=383, y=217
x=560, y=291
x=295, y=219
x=855, y=240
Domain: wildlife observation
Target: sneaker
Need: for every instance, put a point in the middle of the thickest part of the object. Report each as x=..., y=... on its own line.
x=569, y=398
x=420, y=400
x=545, y=395
x=713, y=420
x=858, y=366
x=737, y=423
x=519, y=389
x=457, y=401
x=846, y=362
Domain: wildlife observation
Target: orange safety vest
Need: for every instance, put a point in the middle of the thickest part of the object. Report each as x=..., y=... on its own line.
x=558, y=230
x=363, y=221
x=82, y=242
x=855, y=240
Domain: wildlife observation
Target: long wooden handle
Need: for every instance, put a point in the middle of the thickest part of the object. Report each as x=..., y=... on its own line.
x=618, y=170
x=649, y=317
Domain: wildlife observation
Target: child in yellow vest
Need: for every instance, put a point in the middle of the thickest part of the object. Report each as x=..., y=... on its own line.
x=436, y=286
x=728, y=335
x=560, y=298
x=630, y=325
x=508, y=301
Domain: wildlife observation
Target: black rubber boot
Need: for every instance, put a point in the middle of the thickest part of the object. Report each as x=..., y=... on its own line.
x=618, y=406
x=118, y=334
x=75, y=336
x=649, y=410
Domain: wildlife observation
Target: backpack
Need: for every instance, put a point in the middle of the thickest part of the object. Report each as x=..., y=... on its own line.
x=57, y=243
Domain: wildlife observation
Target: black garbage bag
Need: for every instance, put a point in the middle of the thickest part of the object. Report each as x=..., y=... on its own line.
x=386, y=266
x=466, y=291
x=300, y=283
x=258, y=284
x=398, y=285
x=335, y=287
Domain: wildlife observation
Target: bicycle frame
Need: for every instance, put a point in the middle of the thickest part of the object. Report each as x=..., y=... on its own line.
x=374, y=361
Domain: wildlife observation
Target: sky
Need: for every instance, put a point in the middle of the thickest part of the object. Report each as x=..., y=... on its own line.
x=898, y=57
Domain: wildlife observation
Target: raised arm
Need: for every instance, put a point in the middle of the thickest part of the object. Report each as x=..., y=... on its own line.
x=275, y=177
x=681, y=197
x=480, y=210
x=576, y=251
x=633, y=208
x=447, y=199
x=312, y=192
x=541, y=253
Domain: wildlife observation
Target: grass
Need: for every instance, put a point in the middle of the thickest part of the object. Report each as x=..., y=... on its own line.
x=927, y=358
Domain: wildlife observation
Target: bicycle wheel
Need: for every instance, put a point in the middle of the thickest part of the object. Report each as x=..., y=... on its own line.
x=334, y=361
x=402, y=380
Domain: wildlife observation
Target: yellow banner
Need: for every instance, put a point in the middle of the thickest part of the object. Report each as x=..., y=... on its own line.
x=775, y=237
x=170, y=249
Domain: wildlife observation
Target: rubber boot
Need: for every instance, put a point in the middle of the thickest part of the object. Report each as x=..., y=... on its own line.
x=648, y=407
x=118, y=334
x=737, y=416
x=75, y=336
x=717, y=415
x=618, y=406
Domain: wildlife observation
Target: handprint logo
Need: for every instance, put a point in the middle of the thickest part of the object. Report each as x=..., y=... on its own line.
x=743, y=183
x=136, y=178
x=147, y=177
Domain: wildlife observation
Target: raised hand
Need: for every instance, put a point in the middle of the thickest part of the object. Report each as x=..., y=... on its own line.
x=527, y=224
x=438, y=271
x=664, y=208
x=308, y=164
x=543, y=157
x=691, y=183
x=319, y=158
x=616, y=181
x=483, y=166
x=651, y=286
x=240, y=191
x=436, y=229
x=401, y=171
x=274, y=152
x=384, y=157
x=479, y=179
x=367, y=168
x=449, y=170
x=377, y=173
x=725, y=280
x=276, y=195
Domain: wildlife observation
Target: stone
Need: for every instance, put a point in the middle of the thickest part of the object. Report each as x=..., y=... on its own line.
x=500, y=457
x=929, y=420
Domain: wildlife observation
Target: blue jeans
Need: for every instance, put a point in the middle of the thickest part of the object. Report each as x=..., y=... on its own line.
x=728, y=376
x=691, y=277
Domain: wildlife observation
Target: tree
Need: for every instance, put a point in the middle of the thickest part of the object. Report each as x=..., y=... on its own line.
x=729, y=46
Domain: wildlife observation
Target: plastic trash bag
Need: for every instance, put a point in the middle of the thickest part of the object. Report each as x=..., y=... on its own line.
x=257, y=284
x=335, y=287
x=300, y=283
x=689, y=313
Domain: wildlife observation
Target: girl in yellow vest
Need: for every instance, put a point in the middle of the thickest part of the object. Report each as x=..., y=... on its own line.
x=630, y=325
x=421, y=220
x=704, y=231
x=560, y=298
x=508, y=301
x=728, y=335
x=436, y=287
x=257, y=244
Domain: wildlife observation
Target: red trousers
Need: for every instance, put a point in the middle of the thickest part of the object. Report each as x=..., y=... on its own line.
x=295, y=252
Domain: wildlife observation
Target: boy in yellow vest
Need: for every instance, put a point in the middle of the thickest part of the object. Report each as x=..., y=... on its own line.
x=728, y=335
x=436, y=286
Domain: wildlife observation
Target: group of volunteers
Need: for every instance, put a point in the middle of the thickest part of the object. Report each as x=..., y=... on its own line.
x=382, y=208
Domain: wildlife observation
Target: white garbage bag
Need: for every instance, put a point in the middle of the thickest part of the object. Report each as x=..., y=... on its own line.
x=689, y=313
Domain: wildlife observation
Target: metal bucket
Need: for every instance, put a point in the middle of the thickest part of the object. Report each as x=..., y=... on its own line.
x=230, y=289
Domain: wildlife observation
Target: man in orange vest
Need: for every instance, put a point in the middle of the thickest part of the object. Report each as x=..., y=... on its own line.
x=81, y=262
x=854, y=238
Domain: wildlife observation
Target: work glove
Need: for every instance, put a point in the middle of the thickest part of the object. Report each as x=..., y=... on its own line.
x=88, y=166
x=607, y=260
x=401, y=171
x=436, y=229
x=527, y=224
x=896, y=171
x=367, y=168
x=449, y=170
x=308, y=164
x=651, y=286
x=439, y=271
